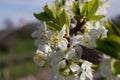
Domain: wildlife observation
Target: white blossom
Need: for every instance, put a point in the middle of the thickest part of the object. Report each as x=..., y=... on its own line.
x=105, y=68
x=94, y=33
x=102, y=10
x=65, y=61
x=45, y=48
x=41, y=34
x=86, y=71
x=74, y=67
x=118, y=77
x=68, y=7
x=55, y=74
x=58, y=41
x=70, y=54
x=101, y=30
x=81, y=39
x=62, y=64
x=40, y=58
x=66, y=72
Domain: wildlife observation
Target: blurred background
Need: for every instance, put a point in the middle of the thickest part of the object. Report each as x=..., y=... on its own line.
x=16, y=45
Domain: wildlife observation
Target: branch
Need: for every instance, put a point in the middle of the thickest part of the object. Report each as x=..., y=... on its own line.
x=77, y=28
x=88, y=54
x=91, y=55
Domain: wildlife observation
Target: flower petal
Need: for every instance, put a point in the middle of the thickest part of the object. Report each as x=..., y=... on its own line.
x=63, y=31
x=74, y=67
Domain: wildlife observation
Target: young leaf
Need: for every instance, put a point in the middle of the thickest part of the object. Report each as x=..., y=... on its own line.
x=84, y=9
x=96, y=17
x=62, y=18
x=77, y=17
x=76, y=8
x=67, y=24
x=112, y=28
x=92, y=8
x=54, y=26
x=110, y=46
x=49, y=12
x=117, y=67
x=67, y=19
x=115, y=28
x=42, y=16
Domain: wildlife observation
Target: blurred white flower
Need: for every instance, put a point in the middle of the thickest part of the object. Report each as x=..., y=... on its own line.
x=41, y=34
x=101, y=30
x=62, y=45
x=68, y=7
x=103, y=8
x=45, y=48
x=40, y=58
x=62, y=64
x=105, y=67
x=94, y=33
x=58, y=41
x=70, y=54
x=66, y=72
x=74, y=67
x=118, y=77
x=55, y=74
x=86, y=71
x=82, y=39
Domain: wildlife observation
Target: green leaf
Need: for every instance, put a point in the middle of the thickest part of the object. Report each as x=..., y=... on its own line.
x=96, y=17
x=108, y=25
x=76, y=8
x=115, y=28
x=84, y=9
x=112, y=28
x=77, y=17
x=67, y=19
x=54, y=26
x=64, y=18
x=59, y=7
x=49, y=12
x=54, y=9
x=92, y=7
x=110, y=46
x=67, y=24
x=42, y=16
x=116, y=67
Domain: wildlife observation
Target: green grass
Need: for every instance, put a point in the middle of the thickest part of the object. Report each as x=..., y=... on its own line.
x=22, y=70
x=19, y=70
x=23, y=46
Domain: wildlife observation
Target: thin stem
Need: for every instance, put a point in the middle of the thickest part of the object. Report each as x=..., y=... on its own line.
x=67, y=31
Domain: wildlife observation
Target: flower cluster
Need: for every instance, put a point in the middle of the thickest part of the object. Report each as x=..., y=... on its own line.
x=59, y=42
x=53, y=51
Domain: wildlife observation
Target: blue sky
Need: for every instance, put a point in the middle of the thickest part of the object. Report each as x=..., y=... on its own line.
x=17, y=9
